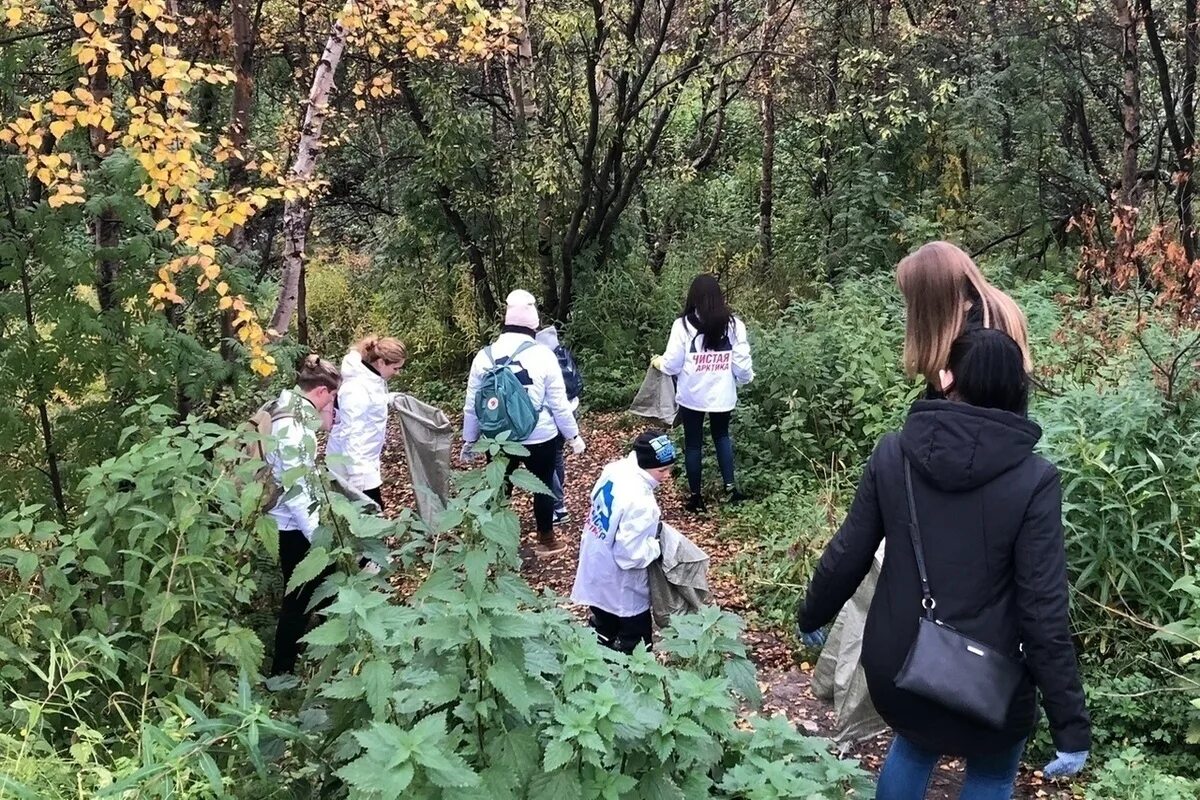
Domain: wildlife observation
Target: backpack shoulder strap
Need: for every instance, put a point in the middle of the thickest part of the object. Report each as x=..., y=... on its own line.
x=487, y=351
x=524, y=346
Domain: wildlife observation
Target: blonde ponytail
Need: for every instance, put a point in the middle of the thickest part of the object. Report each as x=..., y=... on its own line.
x=390, y=349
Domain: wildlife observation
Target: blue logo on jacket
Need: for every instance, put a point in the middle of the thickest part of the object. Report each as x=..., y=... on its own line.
x=600, y=517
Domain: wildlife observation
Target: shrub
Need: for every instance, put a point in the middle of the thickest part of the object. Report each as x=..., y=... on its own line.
x=1129, y=776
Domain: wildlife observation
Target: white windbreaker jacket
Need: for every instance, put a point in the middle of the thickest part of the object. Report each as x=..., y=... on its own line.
x=361, y=426
x=542, y=378
x=707, y=379
x=620, y=539
x=297, y=509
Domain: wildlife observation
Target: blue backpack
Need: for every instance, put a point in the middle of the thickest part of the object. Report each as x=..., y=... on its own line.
x=502, y=404
x=572, y=377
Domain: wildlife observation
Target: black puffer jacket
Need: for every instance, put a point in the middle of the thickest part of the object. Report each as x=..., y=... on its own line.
x=991, y=522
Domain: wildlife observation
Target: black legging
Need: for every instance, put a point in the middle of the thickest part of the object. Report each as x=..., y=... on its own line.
x=621, y=633
x=693, y=442
x=540, y=462
x=376, y=494
x=293, y=612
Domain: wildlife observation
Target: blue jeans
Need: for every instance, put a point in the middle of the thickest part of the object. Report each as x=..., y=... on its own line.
x=906, y=773
x=559, y=479
x=693, y=444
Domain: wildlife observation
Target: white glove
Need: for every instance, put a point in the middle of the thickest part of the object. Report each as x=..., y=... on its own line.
x=467, y=454
x=658, y=362
x=577, y=445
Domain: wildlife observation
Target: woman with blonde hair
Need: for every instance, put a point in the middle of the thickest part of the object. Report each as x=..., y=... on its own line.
x=362, y=412
x=946, y=294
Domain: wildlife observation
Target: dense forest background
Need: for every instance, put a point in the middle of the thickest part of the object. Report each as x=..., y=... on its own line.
x=195, y=193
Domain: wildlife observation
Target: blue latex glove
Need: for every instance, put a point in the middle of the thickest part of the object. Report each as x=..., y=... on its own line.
x=813, y=639
x=1066, y=765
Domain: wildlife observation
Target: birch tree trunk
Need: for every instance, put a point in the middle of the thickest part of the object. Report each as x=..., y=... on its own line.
x=297, y=213
x=766, y=188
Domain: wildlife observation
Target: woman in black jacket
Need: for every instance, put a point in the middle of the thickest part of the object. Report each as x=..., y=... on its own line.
x=990, y=514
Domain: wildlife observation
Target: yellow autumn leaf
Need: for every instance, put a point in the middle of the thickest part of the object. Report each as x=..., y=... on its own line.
x=152, y=197
x=212, y=271
x=60, y=128
x=13, y=16
x=224, y=303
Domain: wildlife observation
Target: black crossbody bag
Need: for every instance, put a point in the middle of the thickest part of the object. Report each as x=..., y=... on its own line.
x=947, y=668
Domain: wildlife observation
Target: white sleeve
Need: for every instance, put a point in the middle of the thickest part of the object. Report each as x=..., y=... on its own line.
x=470, y=421
x=676, y=352
x=554, y=394
x=743, y=364
x=295, y=451
x=635, y=545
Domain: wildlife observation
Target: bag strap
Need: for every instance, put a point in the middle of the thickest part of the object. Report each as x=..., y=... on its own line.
x=524, y=346
x=914, y=532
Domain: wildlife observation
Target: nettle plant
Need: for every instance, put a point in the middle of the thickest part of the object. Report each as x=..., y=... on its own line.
x=475, y=686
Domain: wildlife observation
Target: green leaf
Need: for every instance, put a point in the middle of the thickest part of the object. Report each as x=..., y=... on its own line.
x=524, y=479
x=559, y=785
x=558, y=754
x=477, y=563
x=268, y=533
x=659, y=786
x=27, y=564
x=379, y=679
x=313, y=565
x=96, y=566
x=516, y=754
x=743, y=680
x=209, y=768
x=510, y=683
x=331, y=633
x=504, y=529
x=445, y=767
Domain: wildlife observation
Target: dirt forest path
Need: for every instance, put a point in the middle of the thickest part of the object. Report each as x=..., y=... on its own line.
x=785, y=685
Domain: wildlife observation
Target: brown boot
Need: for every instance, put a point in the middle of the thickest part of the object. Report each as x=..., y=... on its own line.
x=548, y=545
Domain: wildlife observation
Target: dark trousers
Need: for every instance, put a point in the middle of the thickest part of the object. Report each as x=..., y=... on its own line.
x=540, y=462
x=621, y=633
x=693, y=444
x=293, y=613
x=376, y=494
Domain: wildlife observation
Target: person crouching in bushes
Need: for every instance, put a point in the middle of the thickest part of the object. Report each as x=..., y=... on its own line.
x=971, y=519
x=296, y=417
x=620, y=540
x=362, y=412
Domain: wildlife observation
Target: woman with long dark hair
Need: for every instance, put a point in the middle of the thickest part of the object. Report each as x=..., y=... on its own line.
x=709, y=354
x=971, y=520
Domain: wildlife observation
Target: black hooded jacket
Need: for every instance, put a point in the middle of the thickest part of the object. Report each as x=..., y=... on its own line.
x=991, y=522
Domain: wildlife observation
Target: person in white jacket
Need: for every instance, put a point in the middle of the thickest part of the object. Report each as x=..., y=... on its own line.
x=537, y=369
x=620, y=540
x=362, y=413
x=297, y=416
x=708, y=353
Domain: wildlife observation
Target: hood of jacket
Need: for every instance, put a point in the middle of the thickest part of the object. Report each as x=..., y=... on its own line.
x=353, y=368
x=548, y=336
x=959, y=447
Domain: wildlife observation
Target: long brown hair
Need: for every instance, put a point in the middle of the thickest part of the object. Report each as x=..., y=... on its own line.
x=939, y=283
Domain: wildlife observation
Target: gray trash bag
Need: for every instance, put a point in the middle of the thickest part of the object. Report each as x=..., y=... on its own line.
x=339, y=485
x=679, y=579
x=427, y=434
x=656, y=399
x=839, y=677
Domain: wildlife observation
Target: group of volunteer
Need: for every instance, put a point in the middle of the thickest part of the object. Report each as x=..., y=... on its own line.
x=957, y=521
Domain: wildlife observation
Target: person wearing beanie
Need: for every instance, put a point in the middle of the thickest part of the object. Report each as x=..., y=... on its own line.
x=620, y=540
x=537, y=369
